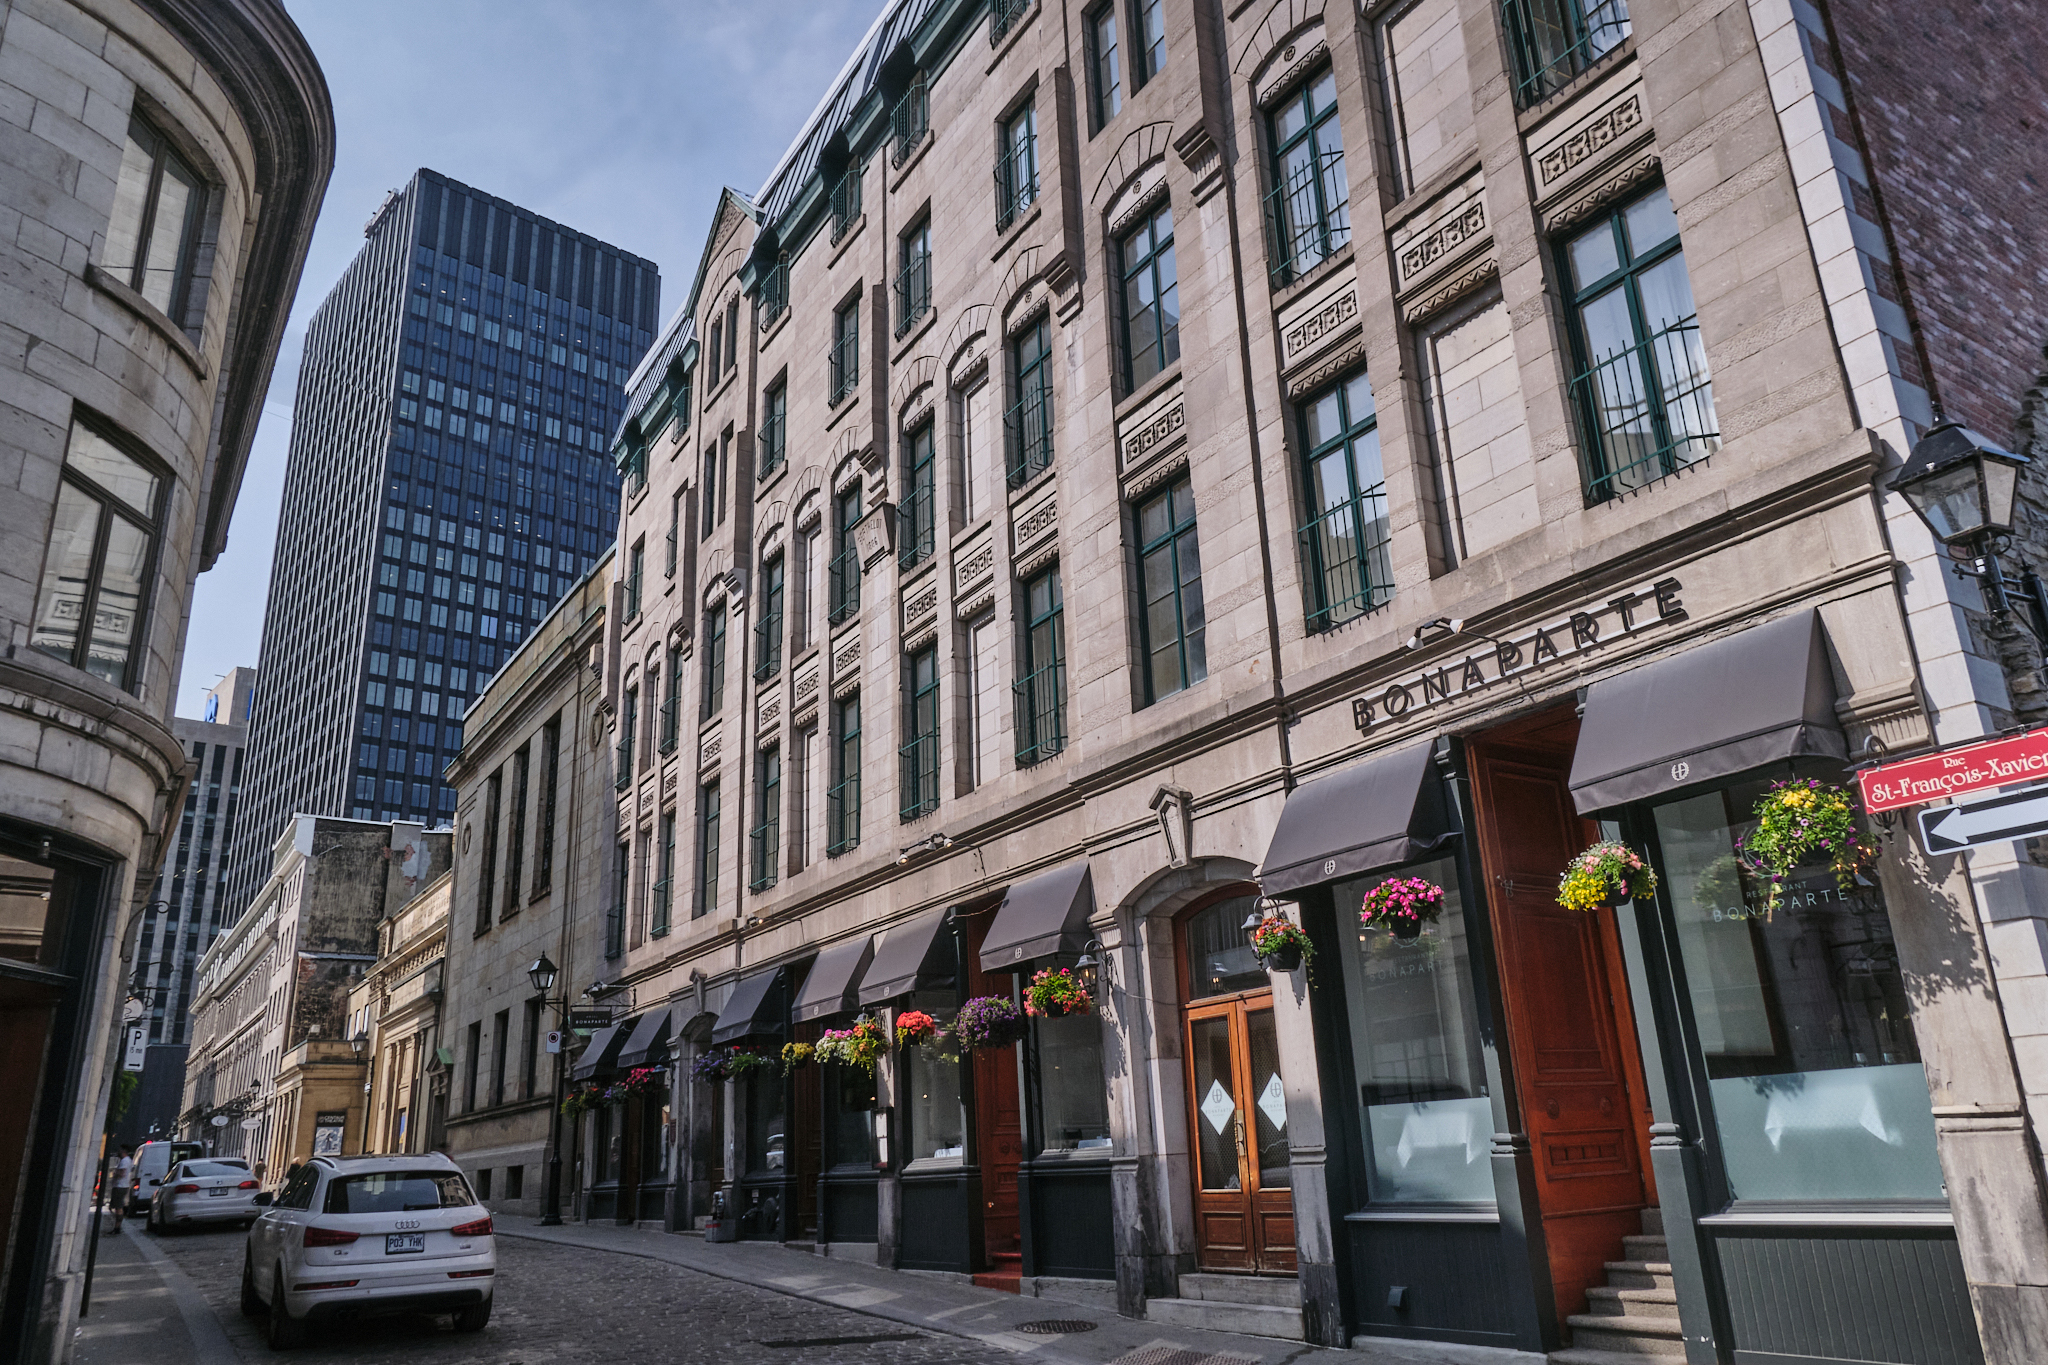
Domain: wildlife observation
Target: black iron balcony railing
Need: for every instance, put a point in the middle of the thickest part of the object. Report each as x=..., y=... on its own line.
x=766, y=855
x=1027, y=430
x=1554, y=40
x=920, y=759
x=1308, y=217
x=845, y=201
x=659, y=915
x=909, y=121
x=845, y=358
x=914, y=525
x=624, y=777
x=774, y=293
x=1003, y=17
x=669, y=724
x=1041, y=713
x=774, y=446
x=1016, y=178
x=843, y=596
x=1646, y=412
x=842, y=816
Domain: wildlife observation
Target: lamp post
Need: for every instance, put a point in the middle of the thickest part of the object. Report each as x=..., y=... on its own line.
x=1964, y=488
x=542, y=975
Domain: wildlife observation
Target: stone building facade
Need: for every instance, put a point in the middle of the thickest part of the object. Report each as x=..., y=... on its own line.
x=394, y=1013
x=163, y=164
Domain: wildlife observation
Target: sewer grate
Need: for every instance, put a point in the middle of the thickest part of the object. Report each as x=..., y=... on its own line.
x=786, y=1343
x=1056, y=1327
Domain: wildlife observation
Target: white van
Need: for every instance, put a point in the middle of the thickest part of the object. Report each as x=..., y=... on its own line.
x=153, y=1161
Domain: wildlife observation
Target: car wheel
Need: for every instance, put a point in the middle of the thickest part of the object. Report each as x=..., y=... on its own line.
x=473, y=1318
x=286, y=1331
x=252, y=1302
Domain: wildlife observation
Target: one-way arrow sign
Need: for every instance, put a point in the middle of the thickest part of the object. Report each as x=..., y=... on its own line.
x=1987, y=820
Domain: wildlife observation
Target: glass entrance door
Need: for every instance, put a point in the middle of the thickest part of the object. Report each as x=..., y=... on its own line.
x=1244, y=1206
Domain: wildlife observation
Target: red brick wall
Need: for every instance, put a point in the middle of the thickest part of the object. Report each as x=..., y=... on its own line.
x=1953, y=103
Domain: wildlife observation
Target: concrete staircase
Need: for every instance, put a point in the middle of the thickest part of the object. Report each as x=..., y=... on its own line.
x=1633, y=1318
x=1254, y=1305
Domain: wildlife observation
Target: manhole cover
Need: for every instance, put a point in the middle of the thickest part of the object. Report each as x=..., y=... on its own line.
x=1056, y=1327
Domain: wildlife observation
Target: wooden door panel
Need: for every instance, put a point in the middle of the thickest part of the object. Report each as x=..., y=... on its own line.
x=998, y=1115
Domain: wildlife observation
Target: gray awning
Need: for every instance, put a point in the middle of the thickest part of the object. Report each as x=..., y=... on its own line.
x=912, y=955
x=600, y=1054
x=754, y=1007
x=1041, y=916
x=833, y=987
x=1382, y=812
x=648, y=1043
x=1757, y=697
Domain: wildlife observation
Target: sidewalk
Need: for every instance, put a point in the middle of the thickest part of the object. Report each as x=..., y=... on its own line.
x=936, y=1304
x=145, y=1311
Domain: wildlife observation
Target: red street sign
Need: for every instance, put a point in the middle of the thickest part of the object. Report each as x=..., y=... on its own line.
x=1956, y=772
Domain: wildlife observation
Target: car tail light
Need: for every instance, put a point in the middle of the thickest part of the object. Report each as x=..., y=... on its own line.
x=246, y=1185
x=328, y=1237
x=184, y=1189
x=468, y=1274
x=480, y=1228
x=326, y=1284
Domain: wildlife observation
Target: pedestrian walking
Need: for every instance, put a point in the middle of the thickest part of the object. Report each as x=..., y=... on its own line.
x=118, y=1181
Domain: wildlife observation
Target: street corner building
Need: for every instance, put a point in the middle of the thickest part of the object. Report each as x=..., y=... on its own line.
x=164, y=162
x=1464, y=434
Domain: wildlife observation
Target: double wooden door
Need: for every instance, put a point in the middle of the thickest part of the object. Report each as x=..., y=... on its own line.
x=1237, y=1117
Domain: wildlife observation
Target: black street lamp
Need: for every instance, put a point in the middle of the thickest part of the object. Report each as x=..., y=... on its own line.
x=542, y=974
x=1964, y=488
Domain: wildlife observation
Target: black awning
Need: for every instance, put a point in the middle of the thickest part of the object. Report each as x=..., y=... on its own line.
x=648, y=1043
x=1757, y=697
x=600, y=1054
x=756, y=1006
x=833, y=987
x=912, y=955
x=1041, y=916
x=1388, y=810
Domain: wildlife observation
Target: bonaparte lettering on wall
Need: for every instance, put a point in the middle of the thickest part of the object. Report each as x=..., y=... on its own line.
x=1517, y=656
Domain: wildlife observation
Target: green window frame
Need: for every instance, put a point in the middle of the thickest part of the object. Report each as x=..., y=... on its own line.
x=845, y=201
x=918, y=514
x=615, y=914
x=636, y=565
x=845, y=350
x=1017, y=166
x=714, y=664
x=1345, y=539
x=909, y=120
x=1149, y=23
x=1308, y=210
x=153, y=232
x=1027, y=427
x=707, y=850
x=919, y=755
x=1105, y=66
x=766, y=836
x=1041, y=686
x=913, y=276
x=664, y=898
x=768, y=631
x=842, y=798
x=843, y=596
x=93, y=602
x=1554, y=40
x=774, y=428
x=1643, y=395
x=1150, y=312
x=629, y=721
x=1172, y=624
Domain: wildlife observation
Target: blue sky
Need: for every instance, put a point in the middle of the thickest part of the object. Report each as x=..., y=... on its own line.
x=620, y=118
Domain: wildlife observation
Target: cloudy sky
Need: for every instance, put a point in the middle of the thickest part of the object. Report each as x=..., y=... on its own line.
x=620, y=118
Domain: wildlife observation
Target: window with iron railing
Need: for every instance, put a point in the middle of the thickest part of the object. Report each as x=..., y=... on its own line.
x=774, y=430
x=843, y=592
x=845, y=354
x=774, y=294
x=1172, y=623
x=915, y=515
x=714, y=665
x=1041, y=688
x=1554, y=40
x=919, y=755
x=842, y=798
x=1003, y=16
x=675, y=528
x=1151, y=299
x=1308, y=210
x=636, y=563
x=629, y=719
x=1027, y=426
x=845, y=202
x=707, y=851
x=909, y=121
x=661, y=912
x=636, y=468
x=615, y=913
x=1644, y=396
x=671, y=705
x=1344, y=539
x=768, y=629
x=1017, y=166
x=765, y=839
x=914, y=277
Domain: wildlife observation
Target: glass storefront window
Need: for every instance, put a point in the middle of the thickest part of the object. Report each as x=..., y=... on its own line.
x=604, y=1144
x=1415, y=1044
x=1073, y=1099
x=849, y=1116
x=654, y=1135
x=1220, y=957
x=765, y=1099
x=938, y=1120
x=1816, y=1081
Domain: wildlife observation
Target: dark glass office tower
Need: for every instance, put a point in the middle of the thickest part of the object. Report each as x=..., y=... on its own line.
x=448, y=479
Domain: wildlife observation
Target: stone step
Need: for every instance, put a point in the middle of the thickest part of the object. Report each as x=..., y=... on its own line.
x=1645, y=1247
x=1583, y=1355
x=1653, y=1221
x=1628, y=1334
x=1616, y=1301
x=1248, y=1319
x=1639, y=1274
x=1270, y=1291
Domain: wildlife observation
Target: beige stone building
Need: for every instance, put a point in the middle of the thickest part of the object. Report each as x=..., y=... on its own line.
x=394, y=1019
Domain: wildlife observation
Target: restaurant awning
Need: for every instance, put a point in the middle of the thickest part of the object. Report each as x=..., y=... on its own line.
x=833, y=986
x=754, y=1007
x=648, y=1043
x=1040, y=916
x=1759, y=696
x=913, y=954
x=600, y=1054
x=1388, y=810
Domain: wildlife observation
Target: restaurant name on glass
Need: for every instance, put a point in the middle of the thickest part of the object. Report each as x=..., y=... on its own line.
x=1518, y=656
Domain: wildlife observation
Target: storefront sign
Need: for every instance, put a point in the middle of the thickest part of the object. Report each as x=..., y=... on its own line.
x=1519, y=656
x=1957, y=772
x=1986, y=820
x=590, y=1019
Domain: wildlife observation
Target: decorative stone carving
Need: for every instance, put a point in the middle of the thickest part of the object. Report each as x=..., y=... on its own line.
x=974, y=571
x=1593, y=149
x=921, y=610
x=1444, y=239
x=1174, y=808
x=767, y=715
x=1590, y=138
x=803, y=690
x=1596, y=194
x=1154, y=430
x=1445, y=292
x=1343, y=358
x=709, y=746
x=846, y=662
x=1035, y=522
x=1155, y=475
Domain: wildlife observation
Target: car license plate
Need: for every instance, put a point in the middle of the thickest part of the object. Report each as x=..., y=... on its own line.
x=398, y=1243
x=215, y=1194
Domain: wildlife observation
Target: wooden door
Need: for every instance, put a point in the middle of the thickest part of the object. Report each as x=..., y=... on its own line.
x=1237, y=1117
x=1571, y=1039
x=998, y=1113
x=806, y=1110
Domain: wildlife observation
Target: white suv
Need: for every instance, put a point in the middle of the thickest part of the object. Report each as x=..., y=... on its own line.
x=362, y=1236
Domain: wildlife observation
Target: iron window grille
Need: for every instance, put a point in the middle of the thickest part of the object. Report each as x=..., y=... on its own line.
x=774, y=292
x=663, y=909
x=153, y=233
x=916, y=515
x=1555, y=40
x=636, y=468
x=920, y=755
x=1105, y=66
x=629, y=718
x=1041, y=691
x=845, y=203
x=707, y=850
x=1017, y=167
x=1003, y=16
x=766, y=836
x=1308, y=211
x=714, y=664
x=635, y=564
x=1027, y=426
x=768, y=630
x=774, y=430
x=914, y=278
x=1151, y=299
x=1345, y=539
x=1172, y=623
x=615, y=913
x=842, y=798
x=1643, y=399
x=674, y=538
x=94, y=593
x=671, y=705
x=910, y=120
x=843, y=592
x=845, y=354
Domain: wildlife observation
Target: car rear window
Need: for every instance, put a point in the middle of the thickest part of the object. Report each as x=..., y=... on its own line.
x=397, y=1192
x=214, y=1168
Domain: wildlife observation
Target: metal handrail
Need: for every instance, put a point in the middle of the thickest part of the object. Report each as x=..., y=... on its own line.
x=1646, y=412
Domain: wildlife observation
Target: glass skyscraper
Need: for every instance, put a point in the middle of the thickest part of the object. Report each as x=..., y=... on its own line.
x=448, y=480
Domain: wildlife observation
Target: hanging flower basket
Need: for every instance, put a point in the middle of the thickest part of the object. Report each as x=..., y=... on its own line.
x=857, y=1046
x=914, y=1027
x=795, y=1055
x=1606, y=874
x=711, y=1066
x=1804, y=820
x=640, y=1081
x=1055, y=993
x=988, y=1021
x=741, y=1061
x=582, y=1100
x=1402, y=905
x=1281, y=944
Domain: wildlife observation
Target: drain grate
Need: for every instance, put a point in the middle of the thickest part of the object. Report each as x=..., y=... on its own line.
x=787, y=1343
x=1056, y=1327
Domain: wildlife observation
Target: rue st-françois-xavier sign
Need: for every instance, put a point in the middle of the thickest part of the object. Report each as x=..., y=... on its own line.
x=1518, y=656
x=1956, y=772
